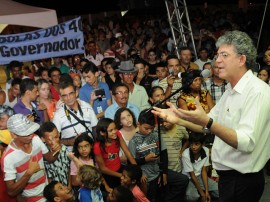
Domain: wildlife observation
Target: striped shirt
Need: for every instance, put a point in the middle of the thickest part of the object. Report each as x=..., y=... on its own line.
x=15, y=163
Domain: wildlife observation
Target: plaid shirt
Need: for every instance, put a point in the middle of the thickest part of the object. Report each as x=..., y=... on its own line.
x=215, y=90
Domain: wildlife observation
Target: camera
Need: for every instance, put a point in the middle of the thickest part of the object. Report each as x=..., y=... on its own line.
x=100, y=92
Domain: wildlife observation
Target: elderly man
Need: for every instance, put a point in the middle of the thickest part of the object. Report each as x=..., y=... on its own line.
x=22, y=161
x=137, y=94
x=240, y=121
x=121, y=96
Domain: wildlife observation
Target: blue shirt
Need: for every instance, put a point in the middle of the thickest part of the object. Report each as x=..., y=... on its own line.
x=86, y=90
x=88, y=195
x=110, y=111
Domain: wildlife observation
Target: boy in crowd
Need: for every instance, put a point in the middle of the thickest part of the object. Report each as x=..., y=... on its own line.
x=60, y=168
x=55, y=191
x=195, y=161
x=144, y=146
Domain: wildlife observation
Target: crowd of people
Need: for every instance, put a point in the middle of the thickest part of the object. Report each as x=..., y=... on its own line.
x=96, y=127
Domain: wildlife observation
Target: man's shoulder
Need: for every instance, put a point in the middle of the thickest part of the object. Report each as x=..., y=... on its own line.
x=193, y=65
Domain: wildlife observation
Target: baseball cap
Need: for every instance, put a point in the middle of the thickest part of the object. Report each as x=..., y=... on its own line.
x=21, y=126
x=5, y=136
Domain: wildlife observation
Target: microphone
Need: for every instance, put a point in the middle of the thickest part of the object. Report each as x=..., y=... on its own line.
x=194, y=73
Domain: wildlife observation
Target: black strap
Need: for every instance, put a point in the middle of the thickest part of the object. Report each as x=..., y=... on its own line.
x=68, y=112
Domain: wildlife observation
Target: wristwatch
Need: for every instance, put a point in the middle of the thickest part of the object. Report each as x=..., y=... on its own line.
x=206, y=129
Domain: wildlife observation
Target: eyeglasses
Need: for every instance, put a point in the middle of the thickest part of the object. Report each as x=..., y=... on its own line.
x=65, y=96
x=224, y=55
x=121, y=93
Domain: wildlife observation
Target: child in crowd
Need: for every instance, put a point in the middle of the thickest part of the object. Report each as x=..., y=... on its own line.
x=147, y=146
x=91, y=179
x=83, y=155
x=125, y=122
x=172, y=134
x=195, y=161
x=131, y=177
x=144, y=146
x=120, y=194
x=55, y=191
x=60, y=168
x=106, y=150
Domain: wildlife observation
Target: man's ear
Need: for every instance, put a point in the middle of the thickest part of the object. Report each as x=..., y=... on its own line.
x=97, y=74
x=57, y=199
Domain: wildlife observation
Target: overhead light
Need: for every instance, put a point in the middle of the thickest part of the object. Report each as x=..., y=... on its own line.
x=123, y=13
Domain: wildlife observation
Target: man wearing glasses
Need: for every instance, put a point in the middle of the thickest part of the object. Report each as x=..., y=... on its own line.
x=74, y=117
x=120, y=94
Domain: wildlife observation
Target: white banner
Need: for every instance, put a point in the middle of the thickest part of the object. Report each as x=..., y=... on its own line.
x=59, y=40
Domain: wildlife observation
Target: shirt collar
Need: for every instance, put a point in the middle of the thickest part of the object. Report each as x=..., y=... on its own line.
x=242, y=83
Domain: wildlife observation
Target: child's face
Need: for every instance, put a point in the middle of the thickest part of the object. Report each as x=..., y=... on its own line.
x=111, y=130
x=126, y=119
x=52, y=138
x=145, y=129
x=157, y=96
x=44, y=75
x=125, y=179
x=196, y=147
x=62, y=192
x=112, y=197
x=84, y=149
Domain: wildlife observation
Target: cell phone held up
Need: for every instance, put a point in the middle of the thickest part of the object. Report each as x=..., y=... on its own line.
x=100, y=93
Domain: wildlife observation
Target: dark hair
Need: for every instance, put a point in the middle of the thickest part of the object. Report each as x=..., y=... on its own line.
x=146, y=117
x=16, y=81
x=90, y=67
x=134, y=172
x=187, y=80
x=196, y=137
x=66, y=84
x=140, y=61
x=115, y=86
x=112, y=62
x=161, y=64
x=65, y=78
x=267, y=69
x=102, y=127
x=207, y=63
x=41, y=70
x=117, y=117
x=79, y=139
x=49, y=192
x=113, y=40
x=53, y=69
x=27, y=84
x=169, y=57
x=152, y=91
x=14, y=63
x=123, y=194
x=46, y=127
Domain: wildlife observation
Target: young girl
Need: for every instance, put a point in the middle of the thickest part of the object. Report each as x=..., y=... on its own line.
x=106, y=150
x=131, y=177
x=125, y=122
x=91, y=179
x=264, y=74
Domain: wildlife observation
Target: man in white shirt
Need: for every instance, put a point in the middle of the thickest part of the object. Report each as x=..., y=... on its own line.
x=240, y=121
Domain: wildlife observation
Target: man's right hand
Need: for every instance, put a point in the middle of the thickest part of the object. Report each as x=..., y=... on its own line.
x=33, y=166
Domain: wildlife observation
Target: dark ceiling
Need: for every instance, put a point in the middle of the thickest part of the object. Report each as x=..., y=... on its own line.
x=79, y=7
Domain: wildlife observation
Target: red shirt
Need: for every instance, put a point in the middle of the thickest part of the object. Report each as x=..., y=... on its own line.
x=111, y=155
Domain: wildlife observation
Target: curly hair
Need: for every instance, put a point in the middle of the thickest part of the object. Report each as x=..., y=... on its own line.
x=90, y=176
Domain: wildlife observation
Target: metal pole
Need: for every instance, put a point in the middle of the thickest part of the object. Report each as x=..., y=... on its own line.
x=266, y=4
